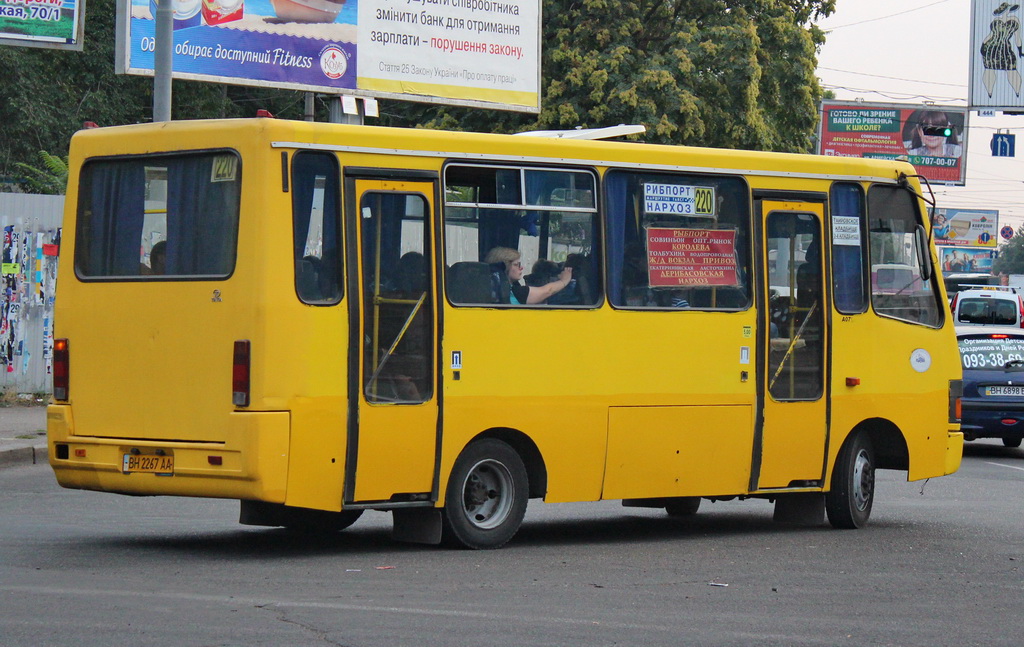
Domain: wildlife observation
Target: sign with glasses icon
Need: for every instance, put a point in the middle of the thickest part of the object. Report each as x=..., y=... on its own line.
x=932, y=138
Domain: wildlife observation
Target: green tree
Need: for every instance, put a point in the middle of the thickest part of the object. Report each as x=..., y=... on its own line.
x=725, y=73
x=48, y=94
x=1011, y=255
x=52, y=179
x=734, y=74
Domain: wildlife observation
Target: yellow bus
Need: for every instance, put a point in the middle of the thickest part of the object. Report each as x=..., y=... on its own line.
x=320, y=319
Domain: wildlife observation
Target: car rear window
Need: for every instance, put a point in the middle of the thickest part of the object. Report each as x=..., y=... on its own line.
x=1001, y=312
x=991, y=351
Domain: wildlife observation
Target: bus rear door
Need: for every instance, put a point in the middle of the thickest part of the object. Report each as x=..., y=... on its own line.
x=794, y=430
x=393, y=412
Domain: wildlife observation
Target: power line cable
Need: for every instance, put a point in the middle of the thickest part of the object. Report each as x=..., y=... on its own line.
x=900, y=13
x=893, y=78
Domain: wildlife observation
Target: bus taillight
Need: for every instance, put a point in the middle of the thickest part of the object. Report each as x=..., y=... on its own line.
x=240, y=374
x=61, y=369
x=956, y=391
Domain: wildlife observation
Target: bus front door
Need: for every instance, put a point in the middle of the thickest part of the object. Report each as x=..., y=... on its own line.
x=794, y=334
x=393, y=409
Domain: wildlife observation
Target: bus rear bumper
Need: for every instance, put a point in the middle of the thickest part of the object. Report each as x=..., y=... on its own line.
x=954, y=451
x=251, y=464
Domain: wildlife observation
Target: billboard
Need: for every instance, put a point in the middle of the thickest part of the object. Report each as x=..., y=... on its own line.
x=960, y=259
x=932, y=138
x=53, y=24
x=966, y=227
x=461, y=52
x=995, y=79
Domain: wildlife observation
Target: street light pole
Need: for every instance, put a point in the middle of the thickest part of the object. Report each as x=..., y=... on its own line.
x=162, y=61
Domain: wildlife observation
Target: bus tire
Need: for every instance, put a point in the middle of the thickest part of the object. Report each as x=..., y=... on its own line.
x=848, y=504
x=683, y=506
x=326, y=523
x=485, y=501
x=1011, y=441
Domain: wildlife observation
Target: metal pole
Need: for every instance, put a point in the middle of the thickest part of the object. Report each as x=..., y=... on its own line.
x=162, y=61
x=310, y=107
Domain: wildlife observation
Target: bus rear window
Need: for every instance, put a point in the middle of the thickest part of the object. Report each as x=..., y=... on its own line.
x=158, y=217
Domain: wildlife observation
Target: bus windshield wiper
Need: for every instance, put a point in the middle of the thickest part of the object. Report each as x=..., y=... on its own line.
x=1014, y=362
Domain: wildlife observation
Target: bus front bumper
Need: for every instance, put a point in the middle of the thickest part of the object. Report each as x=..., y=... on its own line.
x=954, y=451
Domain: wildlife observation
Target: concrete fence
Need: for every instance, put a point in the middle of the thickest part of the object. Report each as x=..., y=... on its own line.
x=31, y=246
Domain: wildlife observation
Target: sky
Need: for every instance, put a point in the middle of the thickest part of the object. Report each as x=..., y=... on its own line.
x=916, y=51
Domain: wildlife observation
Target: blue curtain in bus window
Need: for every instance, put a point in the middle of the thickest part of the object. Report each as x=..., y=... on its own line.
x=201, y=217
x=615, y=193
x=848, y=260
x=114, y=234
x=393, y=207
x=498, y=228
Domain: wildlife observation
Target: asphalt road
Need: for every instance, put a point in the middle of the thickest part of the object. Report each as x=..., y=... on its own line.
x=940, y=564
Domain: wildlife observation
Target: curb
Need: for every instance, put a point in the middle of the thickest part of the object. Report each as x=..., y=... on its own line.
x=29, y=455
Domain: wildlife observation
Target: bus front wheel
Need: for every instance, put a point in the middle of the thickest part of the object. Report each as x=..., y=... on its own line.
x=848, y=504
x=486, y=497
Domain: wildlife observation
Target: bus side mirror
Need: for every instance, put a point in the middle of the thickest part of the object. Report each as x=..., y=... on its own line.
x=924, y=254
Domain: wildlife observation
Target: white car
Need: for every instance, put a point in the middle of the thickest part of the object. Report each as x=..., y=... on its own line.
x=993, y=306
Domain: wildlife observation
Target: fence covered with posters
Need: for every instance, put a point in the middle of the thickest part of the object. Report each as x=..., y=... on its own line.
x=31, y=245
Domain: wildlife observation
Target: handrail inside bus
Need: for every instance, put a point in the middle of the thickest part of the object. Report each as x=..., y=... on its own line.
x=398, y=338
x=792, y=343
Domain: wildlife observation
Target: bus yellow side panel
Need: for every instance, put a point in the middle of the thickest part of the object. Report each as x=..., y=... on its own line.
x=568, y=432
x=316, y=465
x=891, y=389
x=678, y=451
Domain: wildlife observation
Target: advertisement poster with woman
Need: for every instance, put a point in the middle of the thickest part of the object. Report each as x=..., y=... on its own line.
x=932, y=138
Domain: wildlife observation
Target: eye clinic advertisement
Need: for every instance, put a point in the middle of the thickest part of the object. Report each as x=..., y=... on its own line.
x=460, y=52
x=932, y=138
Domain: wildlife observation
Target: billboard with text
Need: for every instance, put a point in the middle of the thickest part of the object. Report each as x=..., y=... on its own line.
x=966, y=227
x=932, y=138
x=53, y=24
x=461, y=52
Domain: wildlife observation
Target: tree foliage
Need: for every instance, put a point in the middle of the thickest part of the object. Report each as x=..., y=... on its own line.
x=52, y=179
x=724, y=73
x=1011, y=255
x=48, y=94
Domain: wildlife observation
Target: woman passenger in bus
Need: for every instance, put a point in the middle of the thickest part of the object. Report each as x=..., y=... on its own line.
x=511, y=270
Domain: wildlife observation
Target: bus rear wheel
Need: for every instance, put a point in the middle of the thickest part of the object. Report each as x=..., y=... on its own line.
x=683, y=506
x=848, y=504
x=486, y=497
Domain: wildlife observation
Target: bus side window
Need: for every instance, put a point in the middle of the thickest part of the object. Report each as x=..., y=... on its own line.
x=849, y=253
x=658, y=222
x=547, y=216
x=316, y=228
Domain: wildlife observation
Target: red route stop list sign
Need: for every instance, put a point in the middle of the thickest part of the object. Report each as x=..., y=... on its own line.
x=691, y=257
